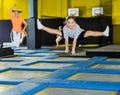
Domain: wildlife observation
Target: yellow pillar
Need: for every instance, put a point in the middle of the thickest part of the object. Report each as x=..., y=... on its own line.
x=64, y=8
x=39, y=8
x=1, y=9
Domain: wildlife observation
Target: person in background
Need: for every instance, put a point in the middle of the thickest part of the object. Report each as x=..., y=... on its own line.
x=59, y=38
x=19, y=26
x=51, y=31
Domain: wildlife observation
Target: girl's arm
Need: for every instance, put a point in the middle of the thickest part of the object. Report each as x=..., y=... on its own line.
x=25, y=25
x=66, y=45
x=74, y=45
x=11, y=13
x=12, y=7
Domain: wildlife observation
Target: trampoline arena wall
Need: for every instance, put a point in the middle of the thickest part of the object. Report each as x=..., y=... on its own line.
x=46, y=39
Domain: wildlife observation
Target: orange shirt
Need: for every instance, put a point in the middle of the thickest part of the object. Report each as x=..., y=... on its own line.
x=17, y=23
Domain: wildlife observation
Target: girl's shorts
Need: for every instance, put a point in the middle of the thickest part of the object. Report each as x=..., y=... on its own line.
x=81, y=36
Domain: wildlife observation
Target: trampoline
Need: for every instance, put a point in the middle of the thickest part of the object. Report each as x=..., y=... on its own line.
x=8, y=63
x=4, y=87
x=105, y=66
x=36, y=75
x=69, y=91
x=22, y=74
x=71, y=58
x=96, y=77
x=50, y=65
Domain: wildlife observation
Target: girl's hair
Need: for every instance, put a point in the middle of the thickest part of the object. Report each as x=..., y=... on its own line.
x=69, y=17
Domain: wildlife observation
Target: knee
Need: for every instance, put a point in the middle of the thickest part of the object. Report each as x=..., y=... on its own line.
x=88, y=33
x=58, y=39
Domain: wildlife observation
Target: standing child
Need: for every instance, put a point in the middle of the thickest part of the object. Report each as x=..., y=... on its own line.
x=59, y=38
x=17, y=29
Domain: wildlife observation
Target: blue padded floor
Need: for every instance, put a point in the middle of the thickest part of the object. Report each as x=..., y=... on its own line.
x=43, y=72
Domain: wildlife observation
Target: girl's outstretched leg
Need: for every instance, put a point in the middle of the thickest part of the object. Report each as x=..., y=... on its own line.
x=47, y=29
x=39, y=25
x=106, y=32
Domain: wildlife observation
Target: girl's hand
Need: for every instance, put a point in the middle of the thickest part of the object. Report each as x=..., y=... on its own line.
x=14, y=5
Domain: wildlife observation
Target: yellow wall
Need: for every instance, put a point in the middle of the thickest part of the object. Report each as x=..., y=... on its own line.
x=58, y=8
x=116, y=21
x=64, y=8
x=85, y=6
x=52, y=8
x=1, y=9
x=116, y=34
x=39, y=8
x=116, y=11
x=6, y=4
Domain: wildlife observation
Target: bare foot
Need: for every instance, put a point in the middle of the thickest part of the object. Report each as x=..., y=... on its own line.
x=57, y=46
x=73, y=52
x=66, y=51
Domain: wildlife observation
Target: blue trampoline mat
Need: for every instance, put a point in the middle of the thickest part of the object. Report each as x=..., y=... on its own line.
x=72, y=91
x=82, y=78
